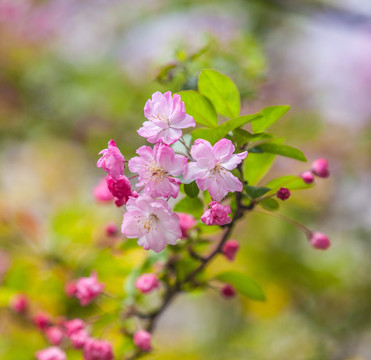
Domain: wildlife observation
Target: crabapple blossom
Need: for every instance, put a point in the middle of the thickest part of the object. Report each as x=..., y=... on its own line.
x=112, y=161
x=230, y=249
x=211, y=170
x=320, y=241
x=41, y=320
x=156, y=168
x=217, y=214
x=142, y=339
x=70, y=288
x=283, y=193
x=166, y=117
x=146, y=283
x=73, y=326
x=54, y=335
x=88, y=288
x=19, y=303
x=152, y=222
x=97, y=350
x=307, y=177
x=320, y=168
x=51, y=353
x=101, y=192
x=186, y=222
x=228, y=291
x=79, y=338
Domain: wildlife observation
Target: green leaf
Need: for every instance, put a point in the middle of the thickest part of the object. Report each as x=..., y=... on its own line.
x=191, y=206
x=270, y=204
x=191, y=189
x=256, y=166
x=255, y=191
x=283, y=150
x=222, y=130
x=199, y=107
x=242, y=137
x=243, y=284
x=270, y=116
x=221, y=91
x=291, y=182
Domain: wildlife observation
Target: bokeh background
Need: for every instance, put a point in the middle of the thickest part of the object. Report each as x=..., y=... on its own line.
x=74, y=74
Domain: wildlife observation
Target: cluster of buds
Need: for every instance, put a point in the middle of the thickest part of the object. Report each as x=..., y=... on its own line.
x=319, y=168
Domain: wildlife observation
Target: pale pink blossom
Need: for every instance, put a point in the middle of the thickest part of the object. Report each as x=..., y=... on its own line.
x=186, y=222
x=101, y=192
x=88, y=288
x=211, y=170
x=19, y=303
x=230, y=249
x=112, y=161
x=97, y=350
x=146, y=283
x=54, y=334
x=73, y=326
x=142, y=339
x=152, y=222
x=166, y=117
x=51, y=353
x=320, y=241
x=307, y=177
x=156, y=168
x=320, y=168
x=217, y=214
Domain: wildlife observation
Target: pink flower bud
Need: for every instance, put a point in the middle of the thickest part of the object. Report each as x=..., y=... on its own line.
x=320, y=241
x=142, y=339
x=41, y=320
x=97, y=350
x=217, y=214
x=54, y=335
x=307, y=177
x=283, y=193
x=146, y=283
x=112, y=230
x=70, y=288
x=112, y=161
x=51, y=353
x=88, y=288
x=73, y=326
x=186, y=223
x=79, y=339
x=101, y=192
x=320, y=168
x=230, y=249
x=228, y=291
x=119, y=188
x=19, y=303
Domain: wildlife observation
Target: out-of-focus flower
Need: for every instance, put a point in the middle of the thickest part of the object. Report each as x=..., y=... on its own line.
x=186, y=222
x=19, y=303
x=54, y=334
x=142, y=339
x=79, y=338
x=146, y=283
x=307, y=177
x=167, y=116
x=320, y=241
x=70, y=288
x=320, y=168
x=73, y=326
x=217, y=214
x=228, y=291
x=88, y=288
x=230, y=249
x=101, y=192
x=97, y=350
x=111, y=229
x=211, y=170
x=156, y=168
x=112, y=161
x=152, y=222
x=41, y=320
x=51, y=353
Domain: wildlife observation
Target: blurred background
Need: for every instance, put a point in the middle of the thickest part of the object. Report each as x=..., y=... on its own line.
x=74, y=74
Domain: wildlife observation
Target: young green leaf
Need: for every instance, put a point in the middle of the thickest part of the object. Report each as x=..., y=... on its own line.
x=256, y=191
x=242, y=137
x=191, y=189
x=256, y=166
x=199, y=107
x=291, y=182
x=193, y=206
x=270, y=116
x=221, y=91
x=283, y=150
x=243, y=284
x=270, y=204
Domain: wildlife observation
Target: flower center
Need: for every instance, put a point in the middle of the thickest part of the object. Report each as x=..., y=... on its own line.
x=151, y=221
x=155, y=173
x=217, y=170
x=160, y=117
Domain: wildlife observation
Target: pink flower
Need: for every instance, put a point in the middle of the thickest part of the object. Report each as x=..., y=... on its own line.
x=19, y=303
x=142, y=339
x=146, y=283
x=97, y=350
x=119, y=188
x=307, y=177
x=320, y=168
x=54, y=335
x=211, y=170
x=156, y=168
x=217, y=214
x=88, y=288
x=186, y=222
x=101, y=192
x=51, y=353
x=228, y=291
x=70, y=288
x=320, y=241
x=230, y=249
x=73, y=326
x=79, y=339
x=152, y=222
x=283, y=193
x=112, y=161
x=166, y=117
x=41, y=320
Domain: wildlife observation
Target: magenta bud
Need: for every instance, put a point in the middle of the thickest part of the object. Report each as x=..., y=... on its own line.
x=19, y=303
x=228, y=291
x=54, y=335
x=320, y=241
x=112, y=230
x=230, y=249
x=320, y=168
x=307, y=177
x=283, y=193
x=142, y=339
x=146, y=283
